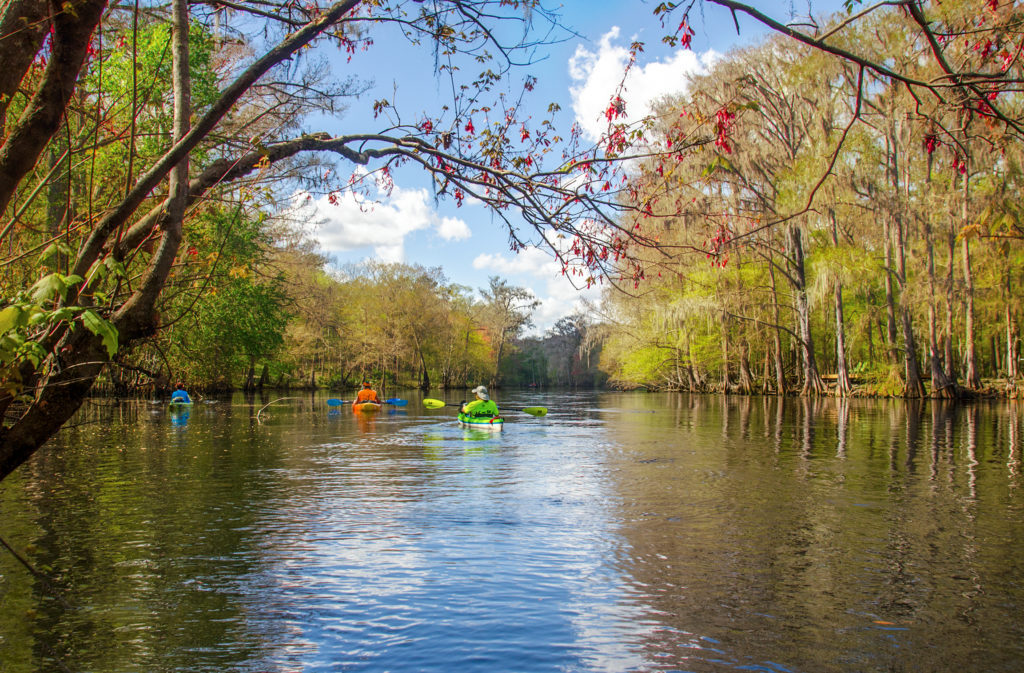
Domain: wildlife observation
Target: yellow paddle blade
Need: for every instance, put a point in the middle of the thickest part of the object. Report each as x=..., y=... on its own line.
x=433, y=404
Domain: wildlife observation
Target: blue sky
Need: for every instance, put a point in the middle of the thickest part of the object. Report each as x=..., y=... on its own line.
x=579, y=73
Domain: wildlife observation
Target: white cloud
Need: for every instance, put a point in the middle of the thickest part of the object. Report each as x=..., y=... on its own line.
x=356, y=221
x=597, y=75
x=538, y=270
x=451, y=229
x=531, y=262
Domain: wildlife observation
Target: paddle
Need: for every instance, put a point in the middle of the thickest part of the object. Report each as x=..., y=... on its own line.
x=394, y=401
x=533, y=411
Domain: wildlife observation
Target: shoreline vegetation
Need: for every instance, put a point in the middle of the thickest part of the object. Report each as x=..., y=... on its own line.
x=991, y=389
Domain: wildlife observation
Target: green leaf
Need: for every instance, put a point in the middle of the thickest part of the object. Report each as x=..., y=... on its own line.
x=56, y=248
x=33, y=352
x=719, y=163
x=47, y=287
x=37, y=316
x=115, y=267
x=10, y=318
x=97, y=270
x=102, y=328
x=60, y=314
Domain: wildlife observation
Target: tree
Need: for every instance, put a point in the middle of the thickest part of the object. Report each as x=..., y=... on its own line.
x=68, y=119
x=844, y=151
x=507, y=312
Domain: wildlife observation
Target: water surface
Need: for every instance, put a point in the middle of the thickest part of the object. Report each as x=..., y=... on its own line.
x=622, y=532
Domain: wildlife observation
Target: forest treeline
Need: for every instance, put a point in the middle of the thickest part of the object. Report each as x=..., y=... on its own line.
x=286, y=318
x=893, y=260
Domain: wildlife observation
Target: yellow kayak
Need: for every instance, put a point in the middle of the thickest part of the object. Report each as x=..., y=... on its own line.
x=365, y=406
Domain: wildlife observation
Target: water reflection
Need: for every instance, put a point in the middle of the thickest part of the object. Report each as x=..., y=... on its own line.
x=179, y=418
x=854, y=558
x=622, y=532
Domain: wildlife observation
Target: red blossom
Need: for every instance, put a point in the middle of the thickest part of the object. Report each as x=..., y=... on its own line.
x=616, y=109
x=1007, y=58
x=724, y=120
x=685, y=34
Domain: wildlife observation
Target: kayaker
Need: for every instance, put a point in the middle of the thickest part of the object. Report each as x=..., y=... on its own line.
x=482, y=406
x=179, y=394
x=367, y=394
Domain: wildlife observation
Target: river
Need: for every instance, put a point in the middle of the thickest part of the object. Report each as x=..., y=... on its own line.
x=621, y=532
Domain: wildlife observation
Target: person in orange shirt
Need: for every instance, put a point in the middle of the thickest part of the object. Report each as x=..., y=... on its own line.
x=367, y=394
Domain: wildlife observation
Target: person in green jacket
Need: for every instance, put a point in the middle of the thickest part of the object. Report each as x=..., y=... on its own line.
x=482, y=406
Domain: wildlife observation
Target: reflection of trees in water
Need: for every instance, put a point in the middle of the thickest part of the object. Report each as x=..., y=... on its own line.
x=1013, y=442
x=116, y=531
x=795, y=546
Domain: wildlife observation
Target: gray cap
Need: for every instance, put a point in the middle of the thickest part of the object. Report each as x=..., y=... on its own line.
x=481, y=392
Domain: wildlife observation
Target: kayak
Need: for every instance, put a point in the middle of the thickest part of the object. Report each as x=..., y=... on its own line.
x=365, y=406
x=178, y=404
x=482, y=422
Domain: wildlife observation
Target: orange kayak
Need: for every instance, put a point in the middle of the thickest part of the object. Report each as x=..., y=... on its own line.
x=365, y=406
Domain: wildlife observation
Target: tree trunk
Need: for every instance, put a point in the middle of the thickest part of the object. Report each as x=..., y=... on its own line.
x=250, y=376
x=765, y=385
x=972, y=377
x=725, y=354
x=940, y=384
x=843, y=386
x=912, y=368
x=58, y=203
x=60, y=395
x=24, y=25
x=1012, y=334
x=915, y=386
x=746, y=379
x=264, y=377
x=890, y=302
x=871, y=343
x=497, y=359
x=950, y=360
x=997, y=366
x=780, y=371
x=813, y=384
x=71, y=34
